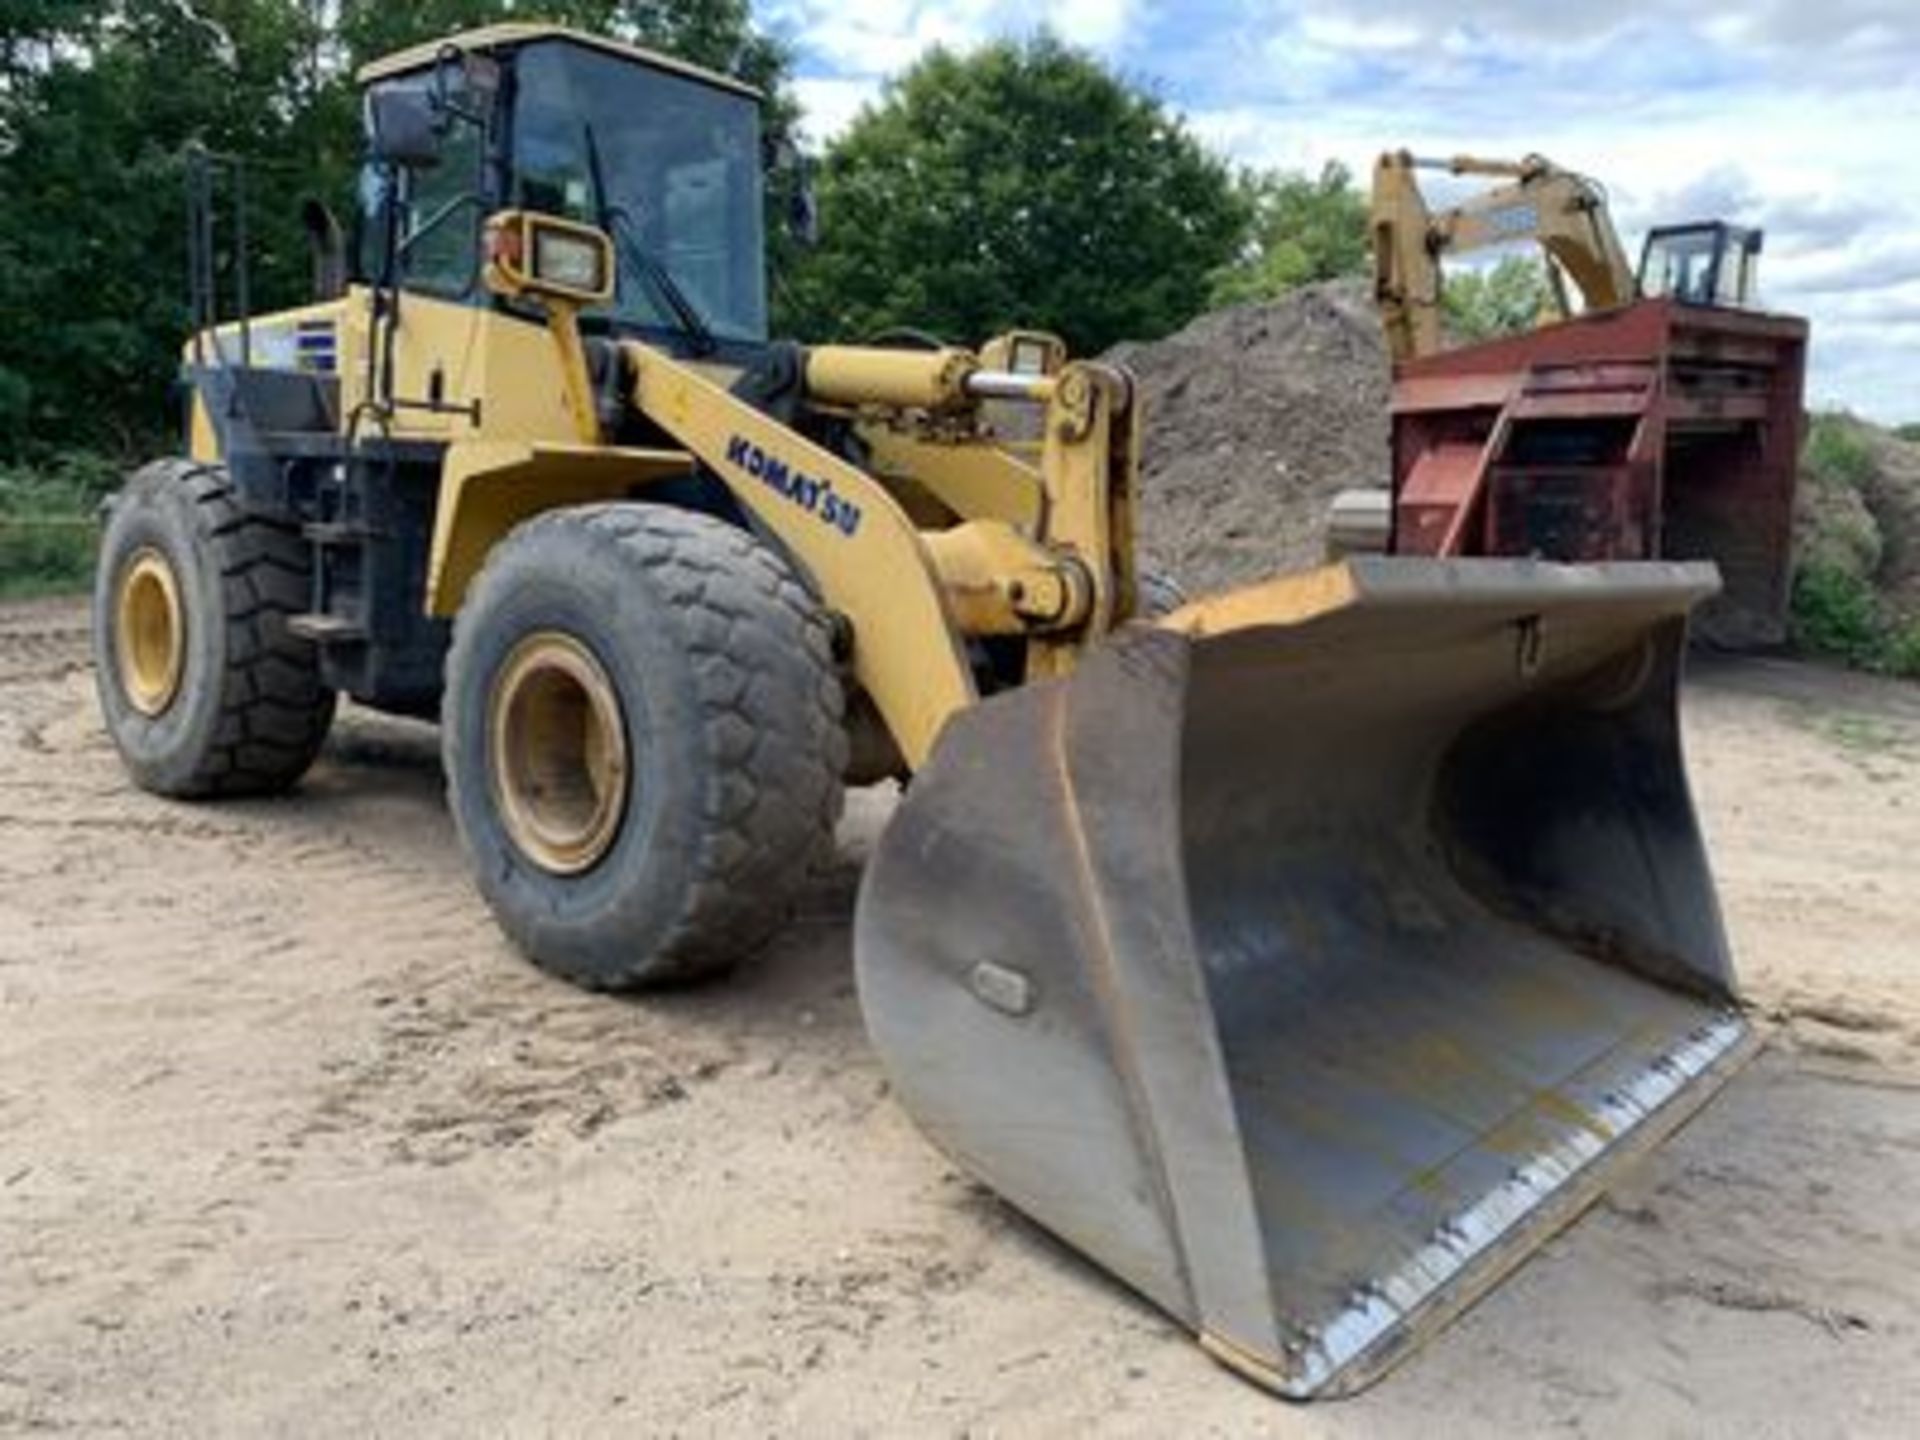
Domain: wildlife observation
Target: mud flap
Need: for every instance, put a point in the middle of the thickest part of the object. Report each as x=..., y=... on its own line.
x=1308, y=957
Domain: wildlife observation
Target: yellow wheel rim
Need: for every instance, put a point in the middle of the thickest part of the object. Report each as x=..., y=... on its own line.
x=150, y=633
x=558, y=753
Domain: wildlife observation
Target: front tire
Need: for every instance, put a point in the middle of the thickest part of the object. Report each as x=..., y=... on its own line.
x=643, y=740
x=203, y=689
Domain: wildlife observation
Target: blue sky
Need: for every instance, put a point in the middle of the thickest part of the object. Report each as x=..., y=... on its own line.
x=1802, y=117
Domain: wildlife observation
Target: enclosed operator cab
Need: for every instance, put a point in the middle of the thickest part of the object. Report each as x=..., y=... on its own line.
x=665, y=159
x=1712, y=263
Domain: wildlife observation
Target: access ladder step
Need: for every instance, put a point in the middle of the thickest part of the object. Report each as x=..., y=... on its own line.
x=335, y=532
x=327, y=629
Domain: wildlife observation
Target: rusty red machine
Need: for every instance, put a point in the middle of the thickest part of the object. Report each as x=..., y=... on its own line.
x=1662, y=421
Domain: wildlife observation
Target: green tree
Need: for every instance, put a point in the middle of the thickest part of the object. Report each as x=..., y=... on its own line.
x=98, y=99
x=91, y=212
x=1505, y=299
x=1303, y=228
x=1021, y=184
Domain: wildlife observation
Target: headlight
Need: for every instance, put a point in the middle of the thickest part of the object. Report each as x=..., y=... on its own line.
x=531, y=256
x=573, y=262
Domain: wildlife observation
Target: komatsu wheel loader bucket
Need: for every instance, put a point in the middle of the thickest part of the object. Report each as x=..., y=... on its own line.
x=1307, y=958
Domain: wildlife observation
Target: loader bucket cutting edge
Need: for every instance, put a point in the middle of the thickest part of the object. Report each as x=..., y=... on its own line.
x=1306, y=959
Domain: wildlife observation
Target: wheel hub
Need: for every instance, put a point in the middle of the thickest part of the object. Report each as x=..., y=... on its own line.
x=558, y=753
x=149, y=633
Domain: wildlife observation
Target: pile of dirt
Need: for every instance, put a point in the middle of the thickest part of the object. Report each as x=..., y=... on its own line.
x=1256, y=416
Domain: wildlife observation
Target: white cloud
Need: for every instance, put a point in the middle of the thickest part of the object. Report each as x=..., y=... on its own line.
x=828, y=103
x=1342, y=32
x=1848, y=35
x=1096, y=24
x=880, y=37
x=848, y=51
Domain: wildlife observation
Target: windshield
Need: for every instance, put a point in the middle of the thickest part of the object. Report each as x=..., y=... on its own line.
x=1708, y=265
x=669, y=165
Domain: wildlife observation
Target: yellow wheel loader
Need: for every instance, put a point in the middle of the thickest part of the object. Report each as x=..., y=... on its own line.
x=1304, y=956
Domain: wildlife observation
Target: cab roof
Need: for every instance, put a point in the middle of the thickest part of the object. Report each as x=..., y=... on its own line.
x=520, y=32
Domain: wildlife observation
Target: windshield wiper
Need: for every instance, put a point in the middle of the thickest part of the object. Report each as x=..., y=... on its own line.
x=619, y=225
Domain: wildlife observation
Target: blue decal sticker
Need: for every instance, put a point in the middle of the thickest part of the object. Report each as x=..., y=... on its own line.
x=815, y=496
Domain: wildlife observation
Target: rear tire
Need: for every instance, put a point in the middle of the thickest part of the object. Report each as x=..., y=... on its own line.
x=643, y=740
x=203, y=689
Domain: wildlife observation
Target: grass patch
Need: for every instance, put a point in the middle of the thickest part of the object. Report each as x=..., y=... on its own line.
x=1869, y=734
x=1834, y=613
x=1882, y=748
x=49, y=528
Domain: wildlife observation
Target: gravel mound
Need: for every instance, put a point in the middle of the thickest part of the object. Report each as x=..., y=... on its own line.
x=1256, y=416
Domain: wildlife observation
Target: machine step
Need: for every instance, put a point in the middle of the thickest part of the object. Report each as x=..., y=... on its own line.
x=328, y=629
x=336, y=532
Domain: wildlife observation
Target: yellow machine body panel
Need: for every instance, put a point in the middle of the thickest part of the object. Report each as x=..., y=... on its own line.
x=521, y=32
x=489, y=486
x=459, y=372
x=974, y=482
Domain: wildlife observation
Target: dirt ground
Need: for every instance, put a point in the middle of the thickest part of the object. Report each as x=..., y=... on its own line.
x=291, y=1143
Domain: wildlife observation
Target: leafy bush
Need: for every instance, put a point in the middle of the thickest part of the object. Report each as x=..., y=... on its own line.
x=1834, y=614
x=1837, y=450
x=1022, y=183
x=1901, y=654
x=1844, y=601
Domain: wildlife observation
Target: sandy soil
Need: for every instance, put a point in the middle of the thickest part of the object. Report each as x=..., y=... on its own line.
x=290, y=1142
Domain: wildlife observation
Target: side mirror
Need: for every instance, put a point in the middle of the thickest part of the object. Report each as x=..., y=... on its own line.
x=404, y=127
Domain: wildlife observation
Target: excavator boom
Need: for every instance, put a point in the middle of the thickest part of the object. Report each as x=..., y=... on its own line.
x=1565, y=214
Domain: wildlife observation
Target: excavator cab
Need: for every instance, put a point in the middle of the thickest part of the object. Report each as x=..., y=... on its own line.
x=1710, y=263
